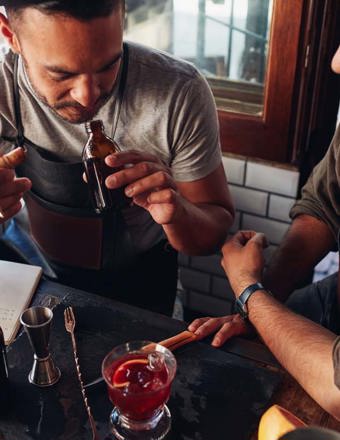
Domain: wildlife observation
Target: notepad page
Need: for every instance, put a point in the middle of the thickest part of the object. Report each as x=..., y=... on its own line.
x=18, y=283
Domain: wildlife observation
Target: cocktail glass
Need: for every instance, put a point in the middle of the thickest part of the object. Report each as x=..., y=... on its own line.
x=139, y=376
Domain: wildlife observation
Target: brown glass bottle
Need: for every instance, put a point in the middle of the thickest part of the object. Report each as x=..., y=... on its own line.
x=98, y=146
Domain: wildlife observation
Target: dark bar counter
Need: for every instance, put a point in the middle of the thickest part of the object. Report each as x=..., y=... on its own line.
x=216, y=394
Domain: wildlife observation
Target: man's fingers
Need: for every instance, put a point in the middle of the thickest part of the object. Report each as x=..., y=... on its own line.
x=12, y=187
x=129, y=157
x=6, y=175
x=167, y=195
x=242, y=237
x=211, y=325
x=13, y=158
x=227, y=326
x=132, y=175
x=235, y=327
x=10, y=212
x=260, y=239
x=7, y=202
x=150, y=183
x=197, y=323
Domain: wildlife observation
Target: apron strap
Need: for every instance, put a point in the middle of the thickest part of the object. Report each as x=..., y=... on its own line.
x=121, y=89
x=20, y=139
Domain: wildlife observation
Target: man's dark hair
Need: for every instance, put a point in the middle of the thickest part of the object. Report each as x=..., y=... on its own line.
x=79, y=9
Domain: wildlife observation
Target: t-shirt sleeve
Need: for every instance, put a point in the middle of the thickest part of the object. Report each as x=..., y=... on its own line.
x=336, y=362
x=320, y=196
x=196, y=146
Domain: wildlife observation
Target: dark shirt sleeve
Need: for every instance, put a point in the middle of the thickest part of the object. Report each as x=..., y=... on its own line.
x=321, y=195
x=336, y=362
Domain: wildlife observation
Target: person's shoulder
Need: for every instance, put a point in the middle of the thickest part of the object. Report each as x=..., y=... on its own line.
x=161, y=63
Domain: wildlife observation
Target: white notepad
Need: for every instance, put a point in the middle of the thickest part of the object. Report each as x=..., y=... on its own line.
x=18, y=283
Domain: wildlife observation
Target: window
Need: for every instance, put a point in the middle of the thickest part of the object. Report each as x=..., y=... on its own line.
x=259, y=57
x=226, y=39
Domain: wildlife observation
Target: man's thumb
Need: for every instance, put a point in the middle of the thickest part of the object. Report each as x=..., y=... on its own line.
x=260, y=239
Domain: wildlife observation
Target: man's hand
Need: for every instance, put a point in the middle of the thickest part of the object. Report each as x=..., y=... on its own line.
x=243, y=260
x=225, y=327
x=243, y=264
x=148, y=182
x=11, y=188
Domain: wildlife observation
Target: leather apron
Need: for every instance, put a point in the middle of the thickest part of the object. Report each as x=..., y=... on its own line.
x=88, y=250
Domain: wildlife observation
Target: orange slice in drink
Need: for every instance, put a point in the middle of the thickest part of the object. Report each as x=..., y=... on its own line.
x=119, y=376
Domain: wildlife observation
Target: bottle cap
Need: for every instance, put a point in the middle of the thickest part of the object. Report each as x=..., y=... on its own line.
x=92, y=126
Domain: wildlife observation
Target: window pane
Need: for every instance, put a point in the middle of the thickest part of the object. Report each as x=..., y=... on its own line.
x=226, y=39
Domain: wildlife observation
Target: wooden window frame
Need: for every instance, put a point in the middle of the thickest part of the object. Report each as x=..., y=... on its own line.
x=268, y=137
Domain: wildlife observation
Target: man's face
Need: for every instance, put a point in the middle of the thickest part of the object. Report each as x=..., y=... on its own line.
x=72, y=65
x=336, y=61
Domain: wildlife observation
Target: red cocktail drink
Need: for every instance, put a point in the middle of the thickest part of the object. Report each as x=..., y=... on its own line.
x=139, y=377
x=138, y=389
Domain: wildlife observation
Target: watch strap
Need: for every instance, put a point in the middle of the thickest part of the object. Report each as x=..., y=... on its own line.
x=241, y=301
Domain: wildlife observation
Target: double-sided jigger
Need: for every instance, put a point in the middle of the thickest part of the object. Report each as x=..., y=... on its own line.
x=37, y=323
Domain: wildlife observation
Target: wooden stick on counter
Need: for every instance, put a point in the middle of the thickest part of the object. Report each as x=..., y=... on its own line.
x=176, y=341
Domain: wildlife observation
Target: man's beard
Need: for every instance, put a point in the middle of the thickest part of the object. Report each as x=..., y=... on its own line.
x=83, y=114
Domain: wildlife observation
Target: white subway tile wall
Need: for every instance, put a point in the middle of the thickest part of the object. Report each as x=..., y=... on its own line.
x=211, y=264
x=249, y=200
x=195, y=280
x=237, y=221
x=279, y=207
x=209, y=305
x=263, y=195
x=273, y=229
x=234, y=169
x=272, y=179
x=221, y=288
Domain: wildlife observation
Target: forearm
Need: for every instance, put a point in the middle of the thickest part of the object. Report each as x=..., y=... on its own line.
x=305, y=244
x=200, y=229
x=301, y=346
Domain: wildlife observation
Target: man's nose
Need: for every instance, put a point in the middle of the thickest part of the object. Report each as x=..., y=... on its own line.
x=85, y=91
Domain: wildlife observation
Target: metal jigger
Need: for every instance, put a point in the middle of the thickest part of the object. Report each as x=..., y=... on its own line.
x=37, y=323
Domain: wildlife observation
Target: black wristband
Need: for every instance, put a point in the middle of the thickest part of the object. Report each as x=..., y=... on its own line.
x=241, y=301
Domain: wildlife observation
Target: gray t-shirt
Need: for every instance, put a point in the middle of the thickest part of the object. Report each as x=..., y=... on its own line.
x=321, y=194
x=168, y=110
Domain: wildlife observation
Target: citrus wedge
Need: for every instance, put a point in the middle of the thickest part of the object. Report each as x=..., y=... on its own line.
x=119, y=376
x=277, y=421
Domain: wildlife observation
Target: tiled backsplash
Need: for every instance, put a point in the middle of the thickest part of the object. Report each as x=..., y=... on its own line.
x=263, y=195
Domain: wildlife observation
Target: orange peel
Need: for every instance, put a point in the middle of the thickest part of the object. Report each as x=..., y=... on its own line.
x=116, y=383
x=276, y=422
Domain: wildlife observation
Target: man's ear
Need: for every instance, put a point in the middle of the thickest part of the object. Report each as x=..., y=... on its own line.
x=8, y=34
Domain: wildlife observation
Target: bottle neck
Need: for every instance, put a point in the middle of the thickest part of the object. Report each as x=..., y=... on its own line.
x=96, y=128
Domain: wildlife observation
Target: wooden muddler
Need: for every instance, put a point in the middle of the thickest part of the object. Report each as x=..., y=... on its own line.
x=13, y=158
x=176, y=341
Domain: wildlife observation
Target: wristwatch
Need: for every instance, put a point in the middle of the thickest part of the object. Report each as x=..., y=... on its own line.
x=241, y=301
